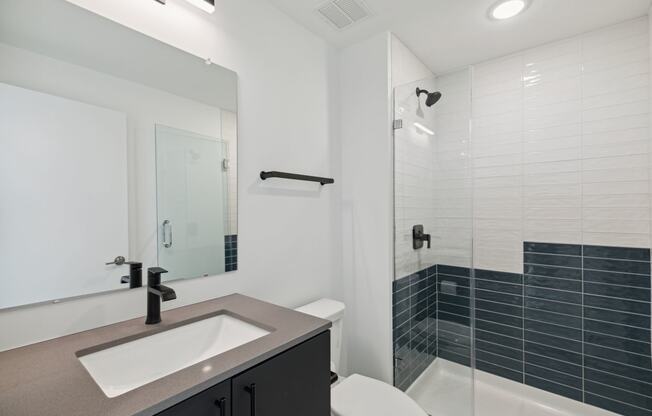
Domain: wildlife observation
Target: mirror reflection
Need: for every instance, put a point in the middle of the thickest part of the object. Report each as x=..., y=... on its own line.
x=119, y=153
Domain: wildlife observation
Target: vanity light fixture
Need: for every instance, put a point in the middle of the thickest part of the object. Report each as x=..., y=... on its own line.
x=506, y=9
x=206, y=5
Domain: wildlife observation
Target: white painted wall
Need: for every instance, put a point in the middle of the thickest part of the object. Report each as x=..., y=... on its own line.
x=368, y=72
x=285, y=237
x=367, y=222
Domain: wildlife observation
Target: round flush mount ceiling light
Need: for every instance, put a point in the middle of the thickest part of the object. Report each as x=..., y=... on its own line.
x=506, y=9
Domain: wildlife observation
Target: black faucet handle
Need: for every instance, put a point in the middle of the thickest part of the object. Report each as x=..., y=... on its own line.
x=156, y=270
x=154, y=275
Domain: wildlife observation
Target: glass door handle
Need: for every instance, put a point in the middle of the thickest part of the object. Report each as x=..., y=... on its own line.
x=167, y=225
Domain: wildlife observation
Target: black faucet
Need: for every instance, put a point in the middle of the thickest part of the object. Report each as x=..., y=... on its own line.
x=135, y=278
x=156, y=293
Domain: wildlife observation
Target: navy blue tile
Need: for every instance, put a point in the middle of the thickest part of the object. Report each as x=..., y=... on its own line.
x=612, y=380
x=553, y=260
x=616, y=329
x=554, y=376
x=510, y=320
x=632, y=293
x=552, y=364
x=453, y=270
x=487, y=357
x=447, y=288
x=401, y=296
x=616, y=278
x=638, y=347
x=454, y=328
x=498, y=276
x=553, y=318
x=617, y=304
x=627, y=358
x=453, y=356
x=499, y=297
x=625, y=266
x=488, y=336
x=552, y=271
x=553, y=294
x=567, y=249
x=552, y=341
x=461, y=320
x=454, y=309
x=552, y=387
x=622, y=253
x=515, y=354
x=553, y=329
x=498, y=307
x=455, y=280
x=499, y=371
x=634, y=373
x=432, y=270
x=614, y=406
x=509, y=331
x=619, y=395
x=556, y=353
x=499, y=286
x=454, y=339
x=551, y=306
x=554, y=283
x=455, y=300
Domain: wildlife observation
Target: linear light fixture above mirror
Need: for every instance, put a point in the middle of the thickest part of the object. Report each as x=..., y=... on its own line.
x=206, y=5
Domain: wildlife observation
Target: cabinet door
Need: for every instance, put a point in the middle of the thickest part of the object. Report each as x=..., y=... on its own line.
x=294, y=383
x=215, y=401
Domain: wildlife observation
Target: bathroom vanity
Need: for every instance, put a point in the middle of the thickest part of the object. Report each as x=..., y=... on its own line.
x=231, y=356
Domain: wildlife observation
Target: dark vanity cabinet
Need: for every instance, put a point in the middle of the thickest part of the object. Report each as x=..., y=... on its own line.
x=294, y=383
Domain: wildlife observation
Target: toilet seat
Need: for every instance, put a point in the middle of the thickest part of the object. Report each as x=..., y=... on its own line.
x=363, y=396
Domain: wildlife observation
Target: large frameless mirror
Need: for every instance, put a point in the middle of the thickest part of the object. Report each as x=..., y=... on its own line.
x=118, y=153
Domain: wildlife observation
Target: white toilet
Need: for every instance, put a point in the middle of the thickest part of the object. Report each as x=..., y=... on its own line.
x=358, y=395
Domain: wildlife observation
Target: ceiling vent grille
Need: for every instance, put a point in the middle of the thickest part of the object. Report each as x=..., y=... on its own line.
x=343, y=13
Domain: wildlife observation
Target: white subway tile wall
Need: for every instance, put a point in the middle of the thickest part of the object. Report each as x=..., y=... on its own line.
x=561, y=146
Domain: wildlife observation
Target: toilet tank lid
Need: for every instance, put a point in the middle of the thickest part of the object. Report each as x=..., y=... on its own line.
x=329, y=309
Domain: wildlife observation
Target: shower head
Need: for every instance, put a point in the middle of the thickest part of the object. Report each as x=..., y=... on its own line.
x=432, y=97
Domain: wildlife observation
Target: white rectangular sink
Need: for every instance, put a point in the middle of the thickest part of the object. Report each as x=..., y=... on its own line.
x=128, y=366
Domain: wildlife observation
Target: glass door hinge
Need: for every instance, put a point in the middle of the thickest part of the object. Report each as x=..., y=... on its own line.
x=398, y=124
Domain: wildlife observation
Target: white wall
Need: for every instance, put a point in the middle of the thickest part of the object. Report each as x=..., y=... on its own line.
x=285, y=238
x=561, y=145
x=367, y=255
x=368, y=72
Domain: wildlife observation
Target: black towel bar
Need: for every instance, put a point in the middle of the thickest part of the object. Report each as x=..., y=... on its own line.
x=273, y=174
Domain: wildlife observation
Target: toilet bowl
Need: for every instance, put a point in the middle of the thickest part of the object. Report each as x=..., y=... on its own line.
x=358, y=395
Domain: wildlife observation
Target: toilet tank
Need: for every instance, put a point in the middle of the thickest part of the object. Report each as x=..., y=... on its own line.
x=333, y=311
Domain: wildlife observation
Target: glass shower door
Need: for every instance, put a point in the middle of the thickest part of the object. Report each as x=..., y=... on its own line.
x=432, y=293
x=191, y=203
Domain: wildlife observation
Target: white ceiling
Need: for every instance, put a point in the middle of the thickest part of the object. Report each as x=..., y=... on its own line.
x=449, y=34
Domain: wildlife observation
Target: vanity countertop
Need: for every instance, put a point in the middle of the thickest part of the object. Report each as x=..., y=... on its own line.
x=48, y=379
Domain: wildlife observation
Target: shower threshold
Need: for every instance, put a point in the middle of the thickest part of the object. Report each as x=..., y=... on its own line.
x=446, y=388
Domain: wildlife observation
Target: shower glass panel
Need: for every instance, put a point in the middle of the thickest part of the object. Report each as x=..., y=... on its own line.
x=191, y=203
x=432, y=291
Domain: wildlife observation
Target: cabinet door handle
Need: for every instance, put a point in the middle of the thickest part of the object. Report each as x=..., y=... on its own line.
x=251, y=389
x=221, y=404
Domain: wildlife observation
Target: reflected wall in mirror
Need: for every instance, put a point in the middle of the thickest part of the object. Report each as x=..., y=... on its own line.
x=113, y=146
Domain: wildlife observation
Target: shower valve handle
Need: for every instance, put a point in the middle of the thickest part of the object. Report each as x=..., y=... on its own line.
x=418, y=237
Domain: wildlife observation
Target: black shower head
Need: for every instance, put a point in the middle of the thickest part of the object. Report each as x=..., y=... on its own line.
x=432, y=97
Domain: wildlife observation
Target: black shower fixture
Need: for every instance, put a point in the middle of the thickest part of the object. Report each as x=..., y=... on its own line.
x=433, y=97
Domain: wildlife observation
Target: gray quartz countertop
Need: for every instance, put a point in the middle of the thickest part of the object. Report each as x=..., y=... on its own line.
x=48, y=379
